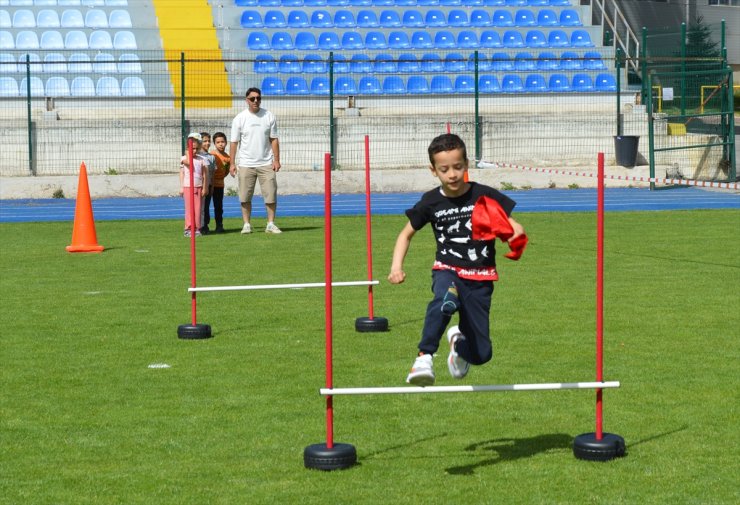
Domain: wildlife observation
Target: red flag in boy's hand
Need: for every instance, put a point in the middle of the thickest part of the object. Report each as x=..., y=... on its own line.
x=490, y=222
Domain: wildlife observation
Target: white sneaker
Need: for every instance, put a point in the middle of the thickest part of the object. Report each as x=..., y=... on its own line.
x=458, y=367
x=247, y=228
x=421, y=373
x=272, y=228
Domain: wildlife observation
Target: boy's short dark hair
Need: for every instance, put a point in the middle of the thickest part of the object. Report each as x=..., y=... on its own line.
x=254, y=90
x=205, y=134
x=219, y=135
x=446, y=142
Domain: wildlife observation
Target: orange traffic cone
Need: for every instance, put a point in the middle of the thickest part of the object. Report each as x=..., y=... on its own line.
x=83, y=234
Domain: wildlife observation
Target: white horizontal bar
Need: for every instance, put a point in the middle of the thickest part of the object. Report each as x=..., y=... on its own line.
x=468, y=389
x=283, y=286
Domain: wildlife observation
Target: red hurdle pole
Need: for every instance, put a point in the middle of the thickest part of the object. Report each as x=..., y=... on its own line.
x=193, y=302
x=328, y=300
x=599, y=293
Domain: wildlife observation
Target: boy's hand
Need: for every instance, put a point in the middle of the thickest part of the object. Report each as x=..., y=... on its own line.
x=232, y=170
x=396, y=276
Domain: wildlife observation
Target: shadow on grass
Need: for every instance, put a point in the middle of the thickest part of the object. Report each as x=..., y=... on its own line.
x=255, y=231
x=510, y=449
x=659, y=435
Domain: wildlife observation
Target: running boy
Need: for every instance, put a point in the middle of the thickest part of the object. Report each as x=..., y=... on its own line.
x=464, y=269
x=222, y=168
x=204, y=154
x=200, y=185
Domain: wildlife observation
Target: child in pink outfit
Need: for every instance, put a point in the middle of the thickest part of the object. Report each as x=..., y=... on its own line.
x=200, y=185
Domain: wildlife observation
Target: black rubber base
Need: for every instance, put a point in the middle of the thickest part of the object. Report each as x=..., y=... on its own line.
x=367, y=325
x=194, y=331
x=320, y=457
x=610, y=446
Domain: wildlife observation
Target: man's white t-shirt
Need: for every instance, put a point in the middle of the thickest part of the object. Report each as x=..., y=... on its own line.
x=253, y=132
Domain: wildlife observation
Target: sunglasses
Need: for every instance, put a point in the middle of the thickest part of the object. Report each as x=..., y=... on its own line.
x=254, y=99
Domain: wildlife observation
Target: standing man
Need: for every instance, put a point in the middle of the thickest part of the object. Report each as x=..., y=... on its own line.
x=254, y=132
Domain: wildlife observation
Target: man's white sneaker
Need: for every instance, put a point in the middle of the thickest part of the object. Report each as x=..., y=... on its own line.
x=421, y=373
x=272, y=228
x=247, y=228
x=458, y=367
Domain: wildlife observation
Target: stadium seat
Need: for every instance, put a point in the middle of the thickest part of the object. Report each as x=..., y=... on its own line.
x=450, y=2
x=104, y=63
x=5, y=21
x=582, y=82
x=314, y=3
x=525, y=17
x=444, y=39
x=289, y=64
x=281, y=41
x=133, y=86
x=455, y=62
x=344, y=19
x=536, y=38
x=569, y=17
x=384, y=64
x=367, y=19
x=535, y=83
x=560, y=3
x=305, y=41
x=592, y=61
x=511, y=83
x=268, y=3
x=352, y=40
x=56, y=87
x=494, y=3
x=23, y=18
x=421, y=40
x=8, y=87
x=314, y=64
x=54, y=63
x=345, y=86
x=441, y=84
x=245, y=3
x=502, y=18
x=26, y=39
x=467, y=39
x=93, y=3
x=18, y=3
x=100, y=39
x=72, y=18
x=329, y=41
x=547, y=17
x=412, y=19
x=389, y=19
x=116, y=3
x=488, y=84
x=408, y=63
x=512, y=39
x=580, y=38
x=605, y=82
x=394, y=85
x=51, y=40
x=340, y=64
x=548, y=61
x=8, y=65
x=524, y=62
x=37, y=87
x=321, y=19
x=128, y=63
x=484, y=64
x=48, y=18
x=431, y=62
x=369, y=85
x=119, y=19
x=360, y=3
x=458, y=18
x=251, y=19
x=417, y=85
x=435, y=18
x=558, y=38
x=516, y=3
x=292, y=3
x=272, y=86
x=464, y=84
x=501, y=62
x=398, y=40
x=538, y=3
x=490, y=39
x=96, y=18
x=382, y=3
x=275, y=19
x=320, y=86
x=480, y=18
x=375, y=40
x=570, y=61
x=298, y=19
x=124, y=40
x=79, y=63
x=558, y=83
x=427, y=2
x=360, y=64
x=31, y=59
x=296, y=86
x=337, y=3
x=258, y=41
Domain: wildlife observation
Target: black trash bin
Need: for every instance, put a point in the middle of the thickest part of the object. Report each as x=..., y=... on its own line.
x=625, y=148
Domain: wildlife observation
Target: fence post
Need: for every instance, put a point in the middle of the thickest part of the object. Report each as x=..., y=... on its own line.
x=478, y=125
x=183, y=133
x=620, y=118
x=28, y=115
x=332, y=140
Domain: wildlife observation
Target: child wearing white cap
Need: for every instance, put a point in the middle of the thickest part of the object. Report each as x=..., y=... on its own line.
x=193, y=196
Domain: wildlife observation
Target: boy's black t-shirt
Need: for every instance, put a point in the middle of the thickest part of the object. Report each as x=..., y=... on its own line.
x=451, y=223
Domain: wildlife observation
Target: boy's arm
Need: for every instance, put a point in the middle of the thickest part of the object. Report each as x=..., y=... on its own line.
x=182, y=176
x=518, y=229
x=397, y=275
x=206, y=177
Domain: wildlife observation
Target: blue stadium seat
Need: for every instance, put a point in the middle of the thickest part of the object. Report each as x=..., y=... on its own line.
x=394, y=85
x=282, y=41
x=37, y=87
x=345, y=86
x=512, y=83
x=18, y=3
x=490, y=39
x=421, y=40
x=298, y=19
x=320, y=86
x=375, y=40
x=480, y=18
x=251, y=19
x=360, y=64
x=570, y=61
x=516, y=3
x=467, y=39
x=5, y=21
x=538, y=3
x=245, y=3
x=605, y=82
x=360, y=3
x=427, y=2
x=8, y=87
x=54, y=63
x=272, y=86
x=289, y=64
x=513, y=39
x=275, y=19
x=133, y=86
x=455, y=62
x=100, y=39
x=417, y=85
x=314, y=64
x=502, y=18
x=384, y=63
x=367, y=19
x=314, y=3
x=104, y=63
x=441, y=84
x=398, y=40
x=389, y=19
x=305, y=41
x=547, y=17
x=592, y=61
x=72, y=18
x=26, y=39
x=404, y=3
x=457, y=17
x=444, y=39
x=352, y=40
x=96, y=18
x=296, y=86
x=431, y=62
x=484, y=64
x=558, y=83
x=258, y=41
x=23, y=18
x=435, y=17
x=382, y=3
x=33, y=61
x=525, y=17
x=321, y=19
x=52, y=40
x=536, y=38
x=341, y=65
x=488, y=84
x=119, y=19
x=412, y=19
x=79, y=63
x=408, y=63
x=344, y=19
x=129, y=63
x=450, y=2
x=464, y=84
x=569, y=17
x=558, y=38
x=582, y=82
x=548, y=61
x=107, y=86
x=369, y=85
x=501, y=62
x=494, y=3
x=8, y=65
x=525, y=62
x=124, y=40
x=268, y=3
x=535, y=83
x=560, y=3
x=580, y=38
x=337, y=3
x=472, y=3
x=113, y=3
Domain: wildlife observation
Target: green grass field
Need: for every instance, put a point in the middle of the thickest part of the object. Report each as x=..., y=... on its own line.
x=84, y=420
